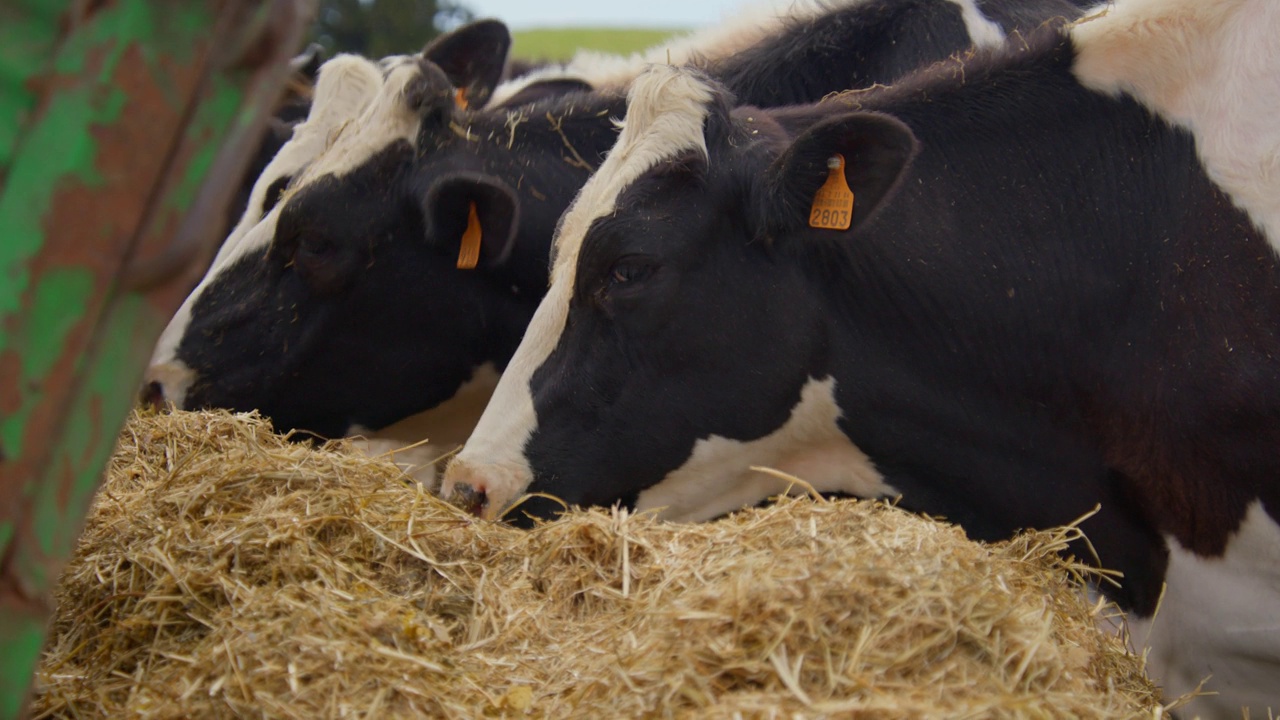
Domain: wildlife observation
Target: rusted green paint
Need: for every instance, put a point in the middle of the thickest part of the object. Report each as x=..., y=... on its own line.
x=58, y=302
x=21, y=643
x=73, y=342
x=28, y=32
x=123, y=346
x=58, y=149
x=221, y=110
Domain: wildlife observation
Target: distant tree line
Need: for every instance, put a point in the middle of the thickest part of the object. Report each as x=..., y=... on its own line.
x=377, y=28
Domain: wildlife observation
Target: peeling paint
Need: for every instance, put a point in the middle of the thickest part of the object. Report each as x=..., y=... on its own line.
x=108, y=138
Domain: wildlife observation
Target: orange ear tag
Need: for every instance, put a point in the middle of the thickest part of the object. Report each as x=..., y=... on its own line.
x=460, y=98
x=469, y=253
x=833, y=203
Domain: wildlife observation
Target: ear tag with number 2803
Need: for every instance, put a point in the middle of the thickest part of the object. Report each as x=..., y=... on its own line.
x=833, y=203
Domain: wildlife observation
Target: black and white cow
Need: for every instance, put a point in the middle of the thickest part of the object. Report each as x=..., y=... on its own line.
x=842, y=44
x=471, y=57
x=1056, y=292
x=351, y=314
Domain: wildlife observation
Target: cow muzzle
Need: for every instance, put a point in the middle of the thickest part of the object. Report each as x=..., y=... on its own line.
x=166, y=383
x=483, y=490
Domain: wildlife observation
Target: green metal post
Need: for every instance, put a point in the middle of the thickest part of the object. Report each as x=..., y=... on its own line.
x=124, y=125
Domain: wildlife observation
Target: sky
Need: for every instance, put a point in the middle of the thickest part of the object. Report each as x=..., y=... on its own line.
x=691, y=14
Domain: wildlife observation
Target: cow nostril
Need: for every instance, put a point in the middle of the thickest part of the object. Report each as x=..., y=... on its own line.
x=468, y=498
x=152, y=395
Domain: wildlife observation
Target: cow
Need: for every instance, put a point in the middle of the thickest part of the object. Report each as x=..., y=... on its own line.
x=299, y=327
x=801, y=55
x=472, y=58
x=1051, y=286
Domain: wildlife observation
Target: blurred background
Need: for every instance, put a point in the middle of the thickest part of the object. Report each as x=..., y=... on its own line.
x=543, y=29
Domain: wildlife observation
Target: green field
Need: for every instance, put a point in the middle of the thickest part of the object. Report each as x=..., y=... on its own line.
x=560, y=43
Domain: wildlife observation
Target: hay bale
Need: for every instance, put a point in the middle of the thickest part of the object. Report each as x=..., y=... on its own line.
x=226, y=572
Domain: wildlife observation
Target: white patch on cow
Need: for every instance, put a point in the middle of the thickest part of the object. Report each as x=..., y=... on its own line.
x=1210, y=67
x=443, y=428
x=983, y=32
x=1220, y=617
x=387, y=119
x=666, y=109
x=717, y=478
x=391, y=62
x=344, y=87
x=174, y=378
x=749, y=26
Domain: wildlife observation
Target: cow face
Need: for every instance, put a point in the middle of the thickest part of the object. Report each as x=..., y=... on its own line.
x=311, y=335
x=277, y=324
x=680, y=343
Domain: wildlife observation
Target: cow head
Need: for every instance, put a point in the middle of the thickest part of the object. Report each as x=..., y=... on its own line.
x=681, y=325
x=284, y=320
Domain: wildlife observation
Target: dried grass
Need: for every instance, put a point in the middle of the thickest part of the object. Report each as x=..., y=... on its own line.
x=225, y=572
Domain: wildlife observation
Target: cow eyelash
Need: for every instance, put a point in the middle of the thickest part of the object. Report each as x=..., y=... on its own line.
x=629, y=269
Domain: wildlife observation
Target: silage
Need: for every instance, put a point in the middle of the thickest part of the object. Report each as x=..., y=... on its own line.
x=227, y=572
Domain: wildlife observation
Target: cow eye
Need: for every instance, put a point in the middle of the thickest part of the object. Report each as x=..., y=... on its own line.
x=312, y=247
x=321, y=266
x=629, y=270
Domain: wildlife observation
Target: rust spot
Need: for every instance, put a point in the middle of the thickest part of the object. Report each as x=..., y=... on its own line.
x=80, y=13
x=10, y=398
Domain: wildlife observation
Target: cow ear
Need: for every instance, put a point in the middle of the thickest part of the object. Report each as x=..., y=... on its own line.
x=472, y=57
x=307, y=63
x=472, y=215
x=875, y=148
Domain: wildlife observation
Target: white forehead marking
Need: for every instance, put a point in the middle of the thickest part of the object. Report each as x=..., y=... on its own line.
x=665, y=113
x=666, y=109
x=717, y=478
x=386, y=120
x=1219, y=617
x=748, y=26
x=1210, y=67
x=982, y=31
x=345, y=85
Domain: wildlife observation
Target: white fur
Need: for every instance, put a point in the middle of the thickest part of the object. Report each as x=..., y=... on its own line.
x=385, y=120
x=344, y=87
x=666, y=110
x=1220, y=617
x=717, y=478
x=1210, y=66
x=418, y=441
x=983, y=32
